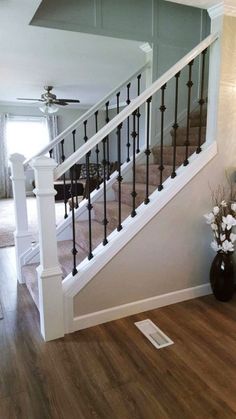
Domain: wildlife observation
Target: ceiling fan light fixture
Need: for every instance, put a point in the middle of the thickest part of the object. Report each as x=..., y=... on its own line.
x=48, y=108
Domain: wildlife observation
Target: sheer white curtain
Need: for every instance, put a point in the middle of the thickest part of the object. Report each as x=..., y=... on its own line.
x=5, y=182
x=52, y=125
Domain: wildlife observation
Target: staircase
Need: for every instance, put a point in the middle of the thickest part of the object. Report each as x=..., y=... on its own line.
x=97, y=227
x=68, y=256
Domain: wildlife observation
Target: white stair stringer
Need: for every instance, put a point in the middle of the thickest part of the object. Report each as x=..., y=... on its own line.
x=72, y=285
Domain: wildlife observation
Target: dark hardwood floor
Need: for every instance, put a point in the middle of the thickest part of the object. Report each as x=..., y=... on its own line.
x=111, y=371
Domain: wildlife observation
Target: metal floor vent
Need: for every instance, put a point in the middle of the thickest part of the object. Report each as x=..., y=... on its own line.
x=154, y=334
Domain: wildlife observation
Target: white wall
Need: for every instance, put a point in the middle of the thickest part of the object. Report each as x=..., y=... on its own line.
x=174, y=248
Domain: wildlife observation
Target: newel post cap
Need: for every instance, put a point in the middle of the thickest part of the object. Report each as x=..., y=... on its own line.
x=43, y=162
x=17, y=158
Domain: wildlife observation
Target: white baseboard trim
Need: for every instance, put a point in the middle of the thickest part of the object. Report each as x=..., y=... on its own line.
x=114, y=313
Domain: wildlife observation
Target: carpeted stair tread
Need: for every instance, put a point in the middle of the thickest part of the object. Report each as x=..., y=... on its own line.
x=154, y=173
x=168, y=152
x=82, y=234
x=193, y=135
x=112, y=213
x=127, y=188
x=65, y=258
x=196, y=113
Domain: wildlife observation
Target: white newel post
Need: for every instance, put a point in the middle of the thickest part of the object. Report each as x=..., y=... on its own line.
x=49, y=271
x=21, y=235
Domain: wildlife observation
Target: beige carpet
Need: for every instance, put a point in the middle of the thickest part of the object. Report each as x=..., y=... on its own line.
x=7, y=220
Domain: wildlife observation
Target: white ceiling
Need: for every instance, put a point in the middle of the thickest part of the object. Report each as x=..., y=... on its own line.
x=78, y=65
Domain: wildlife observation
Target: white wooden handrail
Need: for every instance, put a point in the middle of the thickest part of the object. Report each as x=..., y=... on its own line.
x=86, y=115
x=136, y=103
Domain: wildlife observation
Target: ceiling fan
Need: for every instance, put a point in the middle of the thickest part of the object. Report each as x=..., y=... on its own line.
x=50, y=102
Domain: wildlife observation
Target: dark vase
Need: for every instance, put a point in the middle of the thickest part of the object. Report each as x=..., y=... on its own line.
x=222, y=275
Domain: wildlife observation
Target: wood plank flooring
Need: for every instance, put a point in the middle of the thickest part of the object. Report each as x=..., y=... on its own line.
x=112, y=371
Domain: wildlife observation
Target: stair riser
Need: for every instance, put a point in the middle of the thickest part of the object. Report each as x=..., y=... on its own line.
x=127, y=199
x=112, y=216
x=195, y=122
x=154, y=175
x=193, y=139
x=82, y=235
x=168, y=155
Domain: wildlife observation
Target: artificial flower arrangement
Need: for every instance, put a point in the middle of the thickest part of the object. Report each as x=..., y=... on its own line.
x=222, y=220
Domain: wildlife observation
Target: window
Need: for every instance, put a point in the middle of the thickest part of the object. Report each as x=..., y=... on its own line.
x=26, y=135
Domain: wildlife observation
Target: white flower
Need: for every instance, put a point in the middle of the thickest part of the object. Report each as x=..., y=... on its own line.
x=227, y=246
x=233, y=206
x=214, y=226
x=223, y=203
x=222, y=237
x=215, y=246
x=223, y=226
x=216, y=210
x=210, y=218
x=232, y=237
x=229, y=221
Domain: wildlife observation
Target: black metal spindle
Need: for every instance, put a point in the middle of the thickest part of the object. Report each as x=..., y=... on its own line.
x=75, y=191
x=134, y=193
x=87, y=191
x=64, y=179
x=118, y=102
x=162, y=110
x=175, y=125
x=147, y=151
x=119, y=177
x=51, y=153
x=138, y=114
x=107, y=143
x=189, y=85
x=74, y=250
x=128, y=120
x=85, y=131
x=201, y=101
x=97, y=150
x=105, y=221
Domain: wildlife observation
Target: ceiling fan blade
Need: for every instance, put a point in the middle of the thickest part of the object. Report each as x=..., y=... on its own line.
x=60, y=102
x=69, y=100
x=32, y=100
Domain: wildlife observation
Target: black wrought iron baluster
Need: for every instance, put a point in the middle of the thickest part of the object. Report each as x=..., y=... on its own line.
x=128, y=123
x=87, y=192
x=138, y=114
x=189, y=85
x=119, y=177
x=147, y=151
x=64, y=179
x=74, y=250
x=134, y=193
x=201, y=101
x=107, y=143
x=97, y=151
x=104, y=163
x=51, y=153
x=85, y=131
x=175, y=125
x=117, y=102
x=162, y=109
x=76, y=180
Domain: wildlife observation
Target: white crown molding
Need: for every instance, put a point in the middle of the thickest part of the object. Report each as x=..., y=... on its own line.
x=222, y=8
x=216, y=11
x=146, y=47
